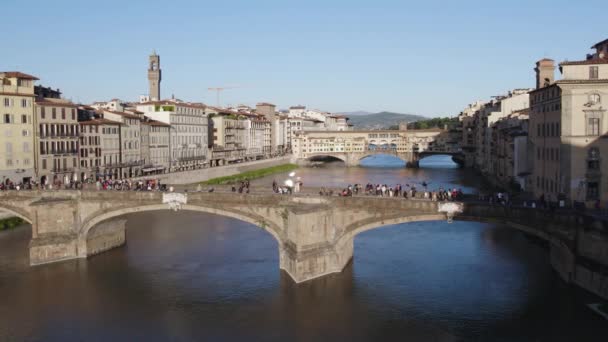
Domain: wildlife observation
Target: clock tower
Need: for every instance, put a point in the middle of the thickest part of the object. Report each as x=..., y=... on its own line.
x=154, y=76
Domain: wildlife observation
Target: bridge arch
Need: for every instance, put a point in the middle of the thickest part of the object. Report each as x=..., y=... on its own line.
x=257, y=220
x=325, y=156
x=16, y=212
x=359, y=227
x=392, y=154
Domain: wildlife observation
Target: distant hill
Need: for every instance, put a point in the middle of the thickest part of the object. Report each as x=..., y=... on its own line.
x=356, y=113
x=382, y=120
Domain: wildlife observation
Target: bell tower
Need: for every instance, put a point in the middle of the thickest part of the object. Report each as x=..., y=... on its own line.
x=154, y=76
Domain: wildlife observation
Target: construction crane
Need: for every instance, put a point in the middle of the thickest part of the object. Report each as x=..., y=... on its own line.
x=218, y=90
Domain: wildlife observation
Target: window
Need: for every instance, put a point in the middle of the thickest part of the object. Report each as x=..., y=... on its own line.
x=42, y=113
x=593, y=190
x=7, y=118
x=54, y=113
x=25, y=133
x=63, y=113
x=7, y=102
x=44, y=164
x=593, y=72
x=594, y=98
x=593, y=126
x=24, y=103
x=23, y=83
x=73, y=114
x=23, y=118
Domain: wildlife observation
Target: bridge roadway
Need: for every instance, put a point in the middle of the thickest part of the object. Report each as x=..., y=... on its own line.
x=314, y=234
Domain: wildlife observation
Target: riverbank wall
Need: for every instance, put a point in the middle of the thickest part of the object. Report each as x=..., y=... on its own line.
x=577, y=242
x=201, y=175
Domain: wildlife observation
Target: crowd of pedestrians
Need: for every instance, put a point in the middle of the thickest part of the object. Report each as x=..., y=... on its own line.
x=399, y=190
x=100, y=184
x=243, y=187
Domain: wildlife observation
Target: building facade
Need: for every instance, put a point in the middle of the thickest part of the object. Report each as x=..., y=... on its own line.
x=189, y=125
x=568, y=130
x=17, y=127
x=56, y=147
x=160, y=153
x=131, y=162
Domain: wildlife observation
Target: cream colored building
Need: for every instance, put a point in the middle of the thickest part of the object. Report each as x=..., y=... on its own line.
x=569, y=129
x=131, y=162
x=100, y=149
x=56, y=144
x=160, y=153
x=229, y=137
x=189, y=131
x=16, y=127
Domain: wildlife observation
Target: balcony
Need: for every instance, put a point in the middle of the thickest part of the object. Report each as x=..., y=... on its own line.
x=62, y=152
x=57, y=135
x=62, y=169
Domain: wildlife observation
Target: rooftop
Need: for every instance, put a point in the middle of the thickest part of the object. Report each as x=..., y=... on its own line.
x=605, y=41
x=586, y=62
x=18, y=74
x=99, y=122
x=55, y=102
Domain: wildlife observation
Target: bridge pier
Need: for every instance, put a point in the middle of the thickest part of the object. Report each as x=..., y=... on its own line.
x=310, y=248
x=315, y=262
x=412, y=164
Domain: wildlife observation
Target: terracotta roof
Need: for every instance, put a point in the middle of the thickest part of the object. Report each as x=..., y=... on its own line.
x=16, y=94
x=18, y=74
x=46, y=102
x=182, y=104
x=156, y=123
x=600, y=43
x=126, y=115
x=99, y=122
x=582, y=81
x=586, y=62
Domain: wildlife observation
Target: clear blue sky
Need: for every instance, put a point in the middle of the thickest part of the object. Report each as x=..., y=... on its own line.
x=424, y=57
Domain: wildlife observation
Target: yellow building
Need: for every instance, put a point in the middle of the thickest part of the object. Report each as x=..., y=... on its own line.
x=16, y=126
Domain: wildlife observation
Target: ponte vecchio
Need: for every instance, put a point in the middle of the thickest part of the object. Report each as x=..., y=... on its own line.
x=353, y=146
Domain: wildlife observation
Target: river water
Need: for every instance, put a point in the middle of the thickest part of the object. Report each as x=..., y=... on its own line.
x=191, y=276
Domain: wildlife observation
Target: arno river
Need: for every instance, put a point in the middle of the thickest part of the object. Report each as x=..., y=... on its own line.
x=191, y=276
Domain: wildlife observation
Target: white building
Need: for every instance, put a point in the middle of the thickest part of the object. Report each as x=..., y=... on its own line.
x=189, y=131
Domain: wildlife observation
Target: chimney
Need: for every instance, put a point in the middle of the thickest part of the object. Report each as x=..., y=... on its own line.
x=545, y=72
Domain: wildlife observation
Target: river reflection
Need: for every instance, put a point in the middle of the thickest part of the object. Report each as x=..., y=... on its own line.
x=190, y=276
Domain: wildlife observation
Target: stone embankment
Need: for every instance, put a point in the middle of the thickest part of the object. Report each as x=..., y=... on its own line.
x=201, y=175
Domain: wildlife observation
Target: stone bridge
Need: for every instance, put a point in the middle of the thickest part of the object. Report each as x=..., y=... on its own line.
x=411, y=159
x=353, y=146
x=314, y=234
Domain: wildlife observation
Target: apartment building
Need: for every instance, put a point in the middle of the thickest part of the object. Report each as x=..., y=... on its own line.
x=509, y=150
x=131, y=162
x=189, y=125
x=56, y=140
x=17, y=126
x=100, y=149
x=158, y=146
x=229, y=137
